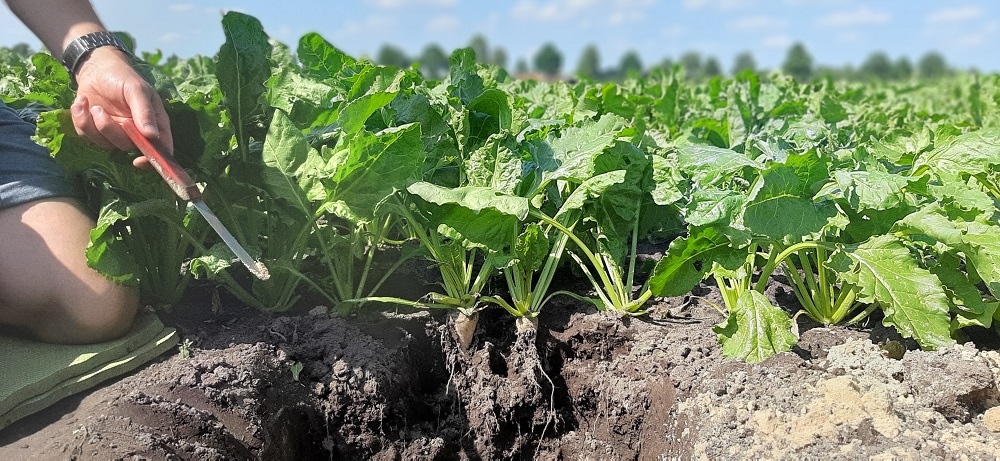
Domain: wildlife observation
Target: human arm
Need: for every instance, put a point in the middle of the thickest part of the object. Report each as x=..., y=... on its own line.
x=109, y=90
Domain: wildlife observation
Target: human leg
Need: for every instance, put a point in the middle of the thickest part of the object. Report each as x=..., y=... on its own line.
x=46, y=287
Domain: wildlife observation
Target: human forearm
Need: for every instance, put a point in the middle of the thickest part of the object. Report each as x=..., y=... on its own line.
x=109, y=90
x=57, y=22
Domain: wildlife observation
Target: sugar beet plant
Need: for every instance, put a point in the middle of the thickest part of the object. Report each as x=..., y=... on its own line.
x=868, y=200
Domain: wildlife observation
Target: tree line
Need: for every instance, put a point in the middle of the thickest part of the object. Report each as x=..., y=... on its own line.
x=549, y=62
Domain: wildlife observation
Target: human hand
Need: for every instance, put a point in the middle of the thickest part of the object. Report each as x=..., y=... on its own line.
x=109, y=91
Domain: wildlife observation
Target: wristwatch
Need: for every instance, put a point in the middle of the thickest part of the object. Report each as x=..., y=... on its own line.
x=80, y=47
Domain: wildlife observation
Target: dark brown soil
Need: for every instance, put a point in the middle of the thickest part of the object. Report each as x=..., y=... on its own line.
x=585, y=385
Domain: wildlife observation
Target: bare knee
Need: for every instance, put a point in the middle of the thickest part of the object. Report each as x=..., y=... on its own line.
x=92, y=318
x=110, y=317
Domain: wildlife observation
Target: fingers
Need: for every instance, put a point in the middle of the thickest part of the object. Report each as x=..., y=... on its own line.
x=139, y=103
x=94, y=123
x=149, y=115
x=142, y=163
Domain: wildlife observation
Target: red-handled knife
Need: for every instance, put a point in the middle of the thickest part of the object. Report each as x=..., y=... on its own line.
x=185, y=188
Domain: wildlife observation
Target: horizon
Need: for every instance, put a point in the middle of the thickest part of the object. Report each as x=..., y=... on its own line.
x=837, y=33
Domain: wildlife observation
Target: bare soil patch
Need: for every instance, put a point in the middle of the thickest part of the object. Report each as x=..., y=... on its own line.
x=585, y=385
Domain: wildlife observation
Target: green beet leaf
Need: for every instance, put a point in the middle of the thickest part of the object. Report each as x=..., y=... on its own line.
x=687, y=261
x=243, y=70
x=972, y=153
x=321, y=60
x=481, y=215
x=912, y=298
x=371, y=168
x=755, y=329
x=293, y=168
x=778, y=211
x=712, y=166
x=375, y=88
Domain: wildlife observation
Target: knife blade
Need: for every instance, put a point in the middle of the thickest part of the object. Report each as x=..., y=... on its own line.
x=185, y=188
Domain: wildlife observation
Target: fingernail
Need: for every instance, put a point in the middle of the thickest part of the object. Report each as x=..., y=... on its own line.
x=77, y=109
x=152, y=130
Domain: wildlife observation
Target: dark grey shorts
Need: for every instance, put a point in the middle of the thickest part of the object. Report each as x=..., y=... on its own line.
x=27, y=171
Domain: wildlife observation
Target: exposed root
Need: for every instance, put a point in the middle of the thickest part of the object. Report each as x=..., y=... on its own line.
x=465, y=328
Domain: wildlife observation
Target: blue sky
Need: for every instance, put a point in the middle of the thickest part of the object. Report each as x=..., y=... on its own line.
x=836, y=32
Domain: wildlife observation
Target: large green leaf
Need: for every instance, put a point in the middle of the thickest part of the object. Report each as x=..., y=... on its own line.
x=976, y=240
x=717, y=207
x=778, y=211
x=298, y=95
x=687, y=261
x=497, y=164
x=243, y=70
x=755, y=329
x=971, y=153
x=592, y=188
x=868, y=190
x=481, y=215
x=375, y=88
x=293, y=168
x=667, y=182
x=711, y=166
x=321, y=60
x=574, y=152
x=372, y=167
x=912, y=298
x=491, y=114
x=464, y=80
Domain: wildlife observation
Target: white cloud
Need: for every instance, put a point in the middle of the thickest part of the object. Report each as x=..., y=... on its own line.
x=371, y=25
x=954, y=15
x=180, y=7
x=673, y=31
x=719, y=5
x=863, y=16
x=613, y=12
x=170, y=37
x=777, y=41
x=443, y=23
x=852, y=36
x=815, y=3
x=398, y=4
x=553, y=11
x=979, y=37
x=760, y=22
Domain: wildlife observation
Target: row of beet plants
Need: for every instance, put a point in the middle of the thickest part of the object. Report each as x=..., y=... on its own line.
x=335, y=172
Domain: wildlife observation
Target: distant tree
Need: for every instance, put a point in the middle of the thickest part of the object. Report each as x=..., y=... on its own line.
x=590, y=63
x=389, y=55
x=521, y=67
x=798, y=63
x=548, y=60
x=744, y=62
x=630, y=64
x=22, y=49
x=902, y=69
x=932, y=65
x=434, y=61
x=499, y=57
x=712, y=68
x=691, y=62
x=877, y=65
x=666, y=64
x=479, y=44
x=835, y=73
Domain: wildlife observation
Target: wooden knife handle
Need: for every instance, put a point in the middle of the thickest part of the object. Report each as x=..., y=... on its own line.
x=168, y=168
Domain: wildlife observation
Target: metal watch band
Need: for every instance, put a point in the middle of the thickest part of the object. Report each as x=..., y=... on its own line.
x=80, y=47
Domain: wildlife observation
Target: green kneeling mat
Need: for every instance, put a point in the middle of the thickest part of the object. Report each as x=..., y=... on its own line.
x=34, y=375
